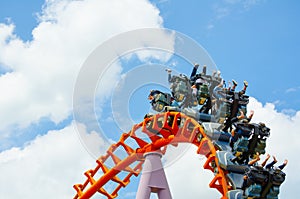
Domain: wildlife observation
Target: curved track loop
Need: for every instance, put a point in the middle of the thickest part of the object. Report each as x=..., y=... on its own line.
x=153, y=134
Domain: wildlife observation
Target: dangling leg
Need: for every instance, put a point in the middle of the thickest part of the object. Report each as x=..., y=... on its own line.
x=245, y=86
x=194, y=71
x=234, y=85
x=283, y=165
x=204, y=70
x=270, y=165
x=169, y=71
x=265, y=161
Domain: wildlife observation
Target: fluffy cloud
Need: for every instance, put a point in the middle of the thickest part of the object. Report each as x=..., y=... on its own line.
x=44, y=69
x=188, y=179
x=225, y=8
x=47, y=167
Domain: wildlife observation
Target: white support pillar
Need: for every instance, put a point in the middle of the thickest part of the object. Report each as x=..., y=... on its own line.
x=153, y=178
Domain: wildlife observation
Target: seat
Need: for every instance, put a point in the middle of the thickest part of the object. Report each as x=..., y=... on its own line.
x=278, y=177
x=235, y=194
x=253, y=190
x=160, y=101
x=210, y=127
x=202, y=94
x=224, y=110
x=225, y=157
x=241, y=145
x=273, y=193
x=180, y=89
x=260, y=147
x=204, y=117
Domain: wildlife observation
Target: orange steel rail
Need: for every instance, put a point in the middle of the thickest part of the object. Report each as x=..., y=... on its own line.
x=153, y=134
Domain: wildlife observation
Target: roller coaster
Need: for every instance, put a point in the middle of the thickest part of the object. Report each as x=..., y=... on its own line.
x=201, y=111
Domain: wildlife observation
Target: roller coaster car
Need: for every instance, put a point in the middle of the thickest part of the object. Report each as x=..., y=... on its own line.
x=223, y=96
x=263, y=130
x=160, y=101
x=235, y=172
x=181, y=88
x=257, y=141
x=191, y=113
x=172, y=109
x=200, y=117
x=250, y=138
x=241, y=145
x=273, y=193
x=202, y=94
x=243, y=129
x=257, y=177
x=225, y=109
x=235, y=194
x=271, y=189
x=212, y=131
x=260, y=146
x=225, y=162
x=210, y=127
x=243, y=100
x=244, y=146
x=278, y=177
x=264, y=184
x=260, y=183
x=194, y=101
x=253, y=191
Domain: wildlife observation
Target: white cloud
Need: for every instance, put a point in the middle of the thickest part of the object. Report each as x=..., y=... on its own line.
x=290, y=90
x=188, y=179
x=44, y=69
x=232, y=1
x=222, y=12
x=225, y=8
x=245, y=3
x=250, y=3
x=47, y=167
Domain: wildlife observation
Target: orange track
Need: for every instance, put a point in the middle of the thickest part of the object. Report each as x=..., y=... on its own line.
x=153, y=134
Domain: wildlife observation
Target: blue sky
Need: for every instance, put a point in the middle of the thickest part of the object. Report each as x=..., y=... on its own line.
x=22, y=14
x=253, y=40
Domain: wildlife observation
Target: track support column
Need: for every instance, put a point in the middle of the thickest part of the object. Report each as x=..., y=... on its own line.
x=153, y=178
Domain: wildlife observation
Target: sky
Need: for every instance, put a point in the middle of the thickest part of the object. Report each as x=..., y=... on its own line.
x=45, y=44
